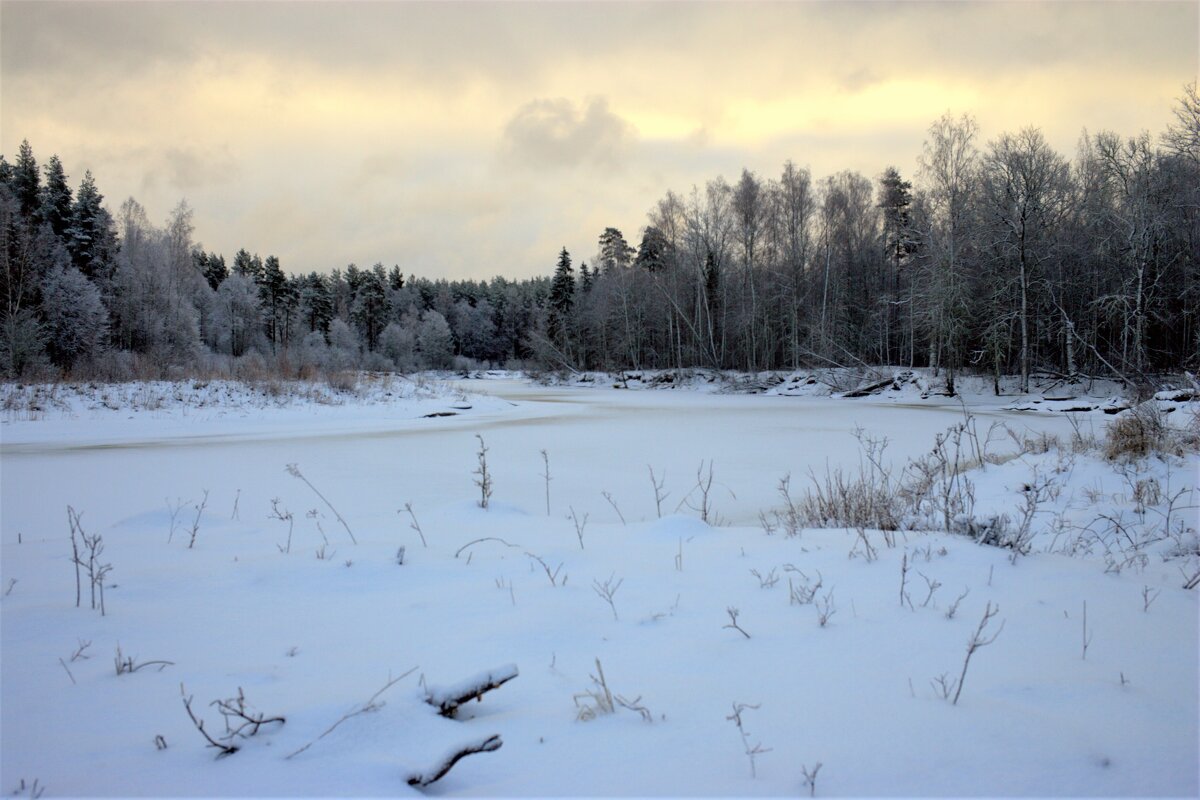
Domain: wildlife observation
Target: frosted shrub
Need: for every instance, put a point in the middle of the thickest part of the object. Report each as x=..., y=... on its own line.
x=844, y=500
x=1137, y=433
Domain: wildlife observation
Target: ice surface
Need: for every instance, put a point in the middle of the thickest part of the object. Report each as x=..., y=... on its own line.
x=312, y=634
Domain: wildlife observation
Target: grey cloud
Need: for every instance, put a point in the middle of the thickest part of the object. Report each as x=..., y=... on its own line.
x=187, y=169
x=860, y=79
x=191, y=168
x=558, y=133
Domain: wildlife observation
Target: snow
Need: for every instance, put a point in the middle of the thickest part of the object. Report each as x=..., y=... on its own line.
x=313, y=639
x=448, y=698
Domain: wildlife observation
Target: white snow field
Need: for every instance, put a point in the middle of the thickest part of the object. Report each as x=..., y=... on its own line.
x=1084, y=680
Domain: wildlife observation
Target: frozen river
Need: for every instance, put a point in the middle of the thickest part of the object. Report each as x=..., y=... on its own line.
x=597, y=439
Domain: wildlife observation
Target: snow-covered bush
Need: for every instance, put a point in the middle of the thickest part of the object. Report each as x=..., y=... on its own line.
x=1144, y=430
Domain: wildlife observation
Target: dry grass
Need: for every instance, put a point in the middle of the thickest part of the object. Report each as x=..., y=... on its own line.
x=1144, y=430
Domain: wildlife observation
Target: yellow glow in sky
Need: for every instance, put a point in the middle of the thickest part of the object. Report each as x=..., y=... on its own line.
x=474, y=139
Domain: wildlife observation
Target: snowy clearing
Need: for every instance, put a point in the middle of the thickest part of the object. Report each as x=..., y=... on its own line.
x=619, y=644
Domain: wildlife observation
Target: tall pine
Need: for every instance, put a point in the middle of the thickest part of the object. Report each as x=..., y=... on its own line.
x=55, y=204
x=562, y=298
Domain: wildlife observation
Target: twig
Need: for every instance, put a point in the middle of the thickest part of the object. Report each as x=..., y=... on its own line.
x=196, y=522
x=810, y=778
x=613, y=503
x=235, y=708
x=733, y=623
x=546, y=475
x=552, y=575
x=484, y=481
x=1087, y=634
x=223, y=749
x=484, y=539
x=416, y=526
x=659, y=495
x=365, y=708
x=606, y=591
x=977, y=641
x=294, y=471
x=579, y=525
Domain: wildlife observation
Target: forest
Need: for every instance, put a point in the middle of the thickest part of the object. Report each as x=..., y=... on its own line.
x=999, y=257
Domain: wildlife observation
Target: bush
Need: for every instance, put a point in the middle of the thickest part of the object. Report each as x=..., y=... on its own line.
x=1139, y=432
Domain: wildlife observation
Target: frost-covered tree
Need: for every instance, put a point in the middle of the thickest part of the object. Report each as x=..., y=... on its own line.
x=91, y=237
x=314, y=351
x=1026, y=195
x=344, y=346
x=237, y=315
x=949, y=170
x=316, y=303
x=274, y=299
x=399, y=344
x=435, y=342
x=475, y=329
x=28, y=252
x=76, y=321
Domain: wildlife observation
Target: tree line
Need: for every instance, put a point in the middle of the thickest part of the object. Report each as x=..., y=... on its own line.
x=998, y=257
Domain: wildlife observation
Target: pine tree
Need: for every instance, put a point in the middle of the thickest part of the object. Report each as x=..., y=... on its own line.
x=652, y=254
x=272, y=284
x=92, y=236
x=370, y=309
x=615, y=252
x=26, y=181
x=247, y=265
x=395, y=278
x=562, y=298
x=55, y=207
x=316, y=303
x=212, y=266
x=895, y=196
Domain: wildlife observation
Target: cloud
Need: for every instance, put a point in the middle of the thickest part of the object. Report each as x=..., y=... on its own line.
x=188, y=169
x=558, y=133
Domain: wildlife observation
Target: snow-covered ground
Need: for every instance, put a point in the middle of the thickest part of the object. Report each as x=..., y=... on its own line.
x=699, y=617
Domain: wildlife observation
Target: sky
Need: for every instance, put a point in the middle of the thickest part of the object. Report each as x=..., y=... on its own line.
x=468, y=140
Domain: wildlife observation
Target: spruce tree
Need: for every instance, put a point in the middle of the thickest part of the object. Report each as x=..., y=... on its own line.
x=55, y=208
x=26, y=181
x=395, y=278
x=92, y=236
x=562, y=298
